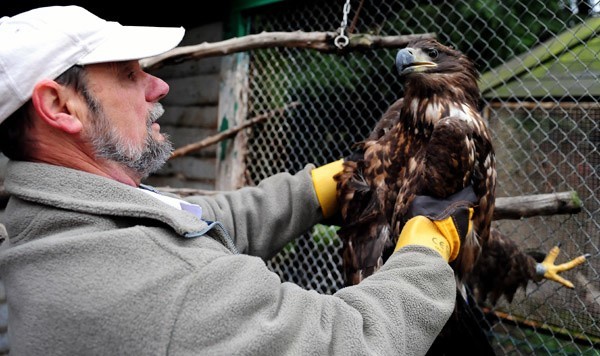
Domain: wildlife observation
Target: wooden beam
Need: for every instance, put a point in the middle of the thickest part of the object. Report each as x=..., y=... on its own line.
x=554, y=331
x=320, y=41
x=525, y=206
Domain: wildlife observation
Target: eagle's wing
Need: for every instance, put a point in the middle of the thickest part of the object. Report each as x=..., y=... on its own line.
x=355, y=193
x=363, y=196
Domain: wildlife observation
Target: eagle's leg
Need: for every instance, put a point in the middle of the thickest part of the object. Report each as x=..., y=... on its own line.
x=548, y=270
x=504, y=267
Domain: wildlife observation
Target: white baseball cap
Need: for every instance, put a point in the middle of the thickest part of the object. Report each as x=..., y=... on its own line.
x=44, y=42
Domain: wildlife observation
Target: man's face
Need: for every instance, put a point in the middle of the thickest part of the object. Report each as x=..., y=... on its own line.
x=123, y=103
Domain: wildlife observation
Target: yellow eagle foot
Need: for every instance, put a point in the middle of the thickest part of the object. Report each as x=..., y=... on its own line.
x=547, y=269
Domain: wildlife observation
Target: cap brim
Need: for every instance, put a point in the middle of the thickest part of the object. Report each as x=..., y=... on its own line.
x=125, y=43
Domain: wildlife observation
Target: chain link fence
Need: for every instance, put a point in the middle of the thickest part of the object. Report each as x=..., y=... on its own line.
x=539, y=61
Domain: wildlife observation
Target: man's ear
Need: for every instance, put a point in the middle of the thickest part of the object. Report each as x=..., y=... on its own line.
x=50, y=103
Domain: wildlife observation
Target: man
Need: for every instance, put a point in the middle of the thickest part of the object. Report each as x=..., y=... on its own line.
x=94, y=262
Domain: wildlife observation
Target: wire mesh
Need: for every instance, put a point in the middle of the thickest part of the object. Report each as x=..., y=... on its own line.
x=543, y=114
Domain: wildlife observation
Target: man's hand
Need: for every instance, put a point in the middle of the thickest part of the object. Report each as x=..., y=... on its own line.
x=441, y=224
x=326, y=186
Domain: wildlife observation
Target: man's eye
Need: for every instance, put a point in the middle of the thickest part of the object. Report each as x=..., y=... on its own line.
x=131, y=75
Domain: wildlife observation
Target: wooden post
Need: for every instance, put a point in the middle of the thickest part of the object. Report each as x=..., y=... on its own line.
x=232, y=111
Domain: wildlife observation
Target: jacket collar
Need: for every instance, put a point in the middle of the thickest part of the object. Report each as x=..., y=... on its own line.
x=89, y=193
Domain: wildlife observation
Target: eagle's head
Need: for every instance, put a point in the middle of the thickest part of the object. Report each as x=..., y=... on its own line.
x=430, y=68
x=423, y=57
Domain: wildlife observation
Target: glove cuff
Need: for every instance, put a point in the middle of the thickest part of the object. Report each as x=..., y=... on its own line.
x=326, y=186
x=423, y=232
x=455, y=228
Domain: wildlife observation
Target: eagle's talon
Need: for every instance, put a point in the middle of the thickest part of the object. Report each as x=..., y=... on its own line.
x=548, y=270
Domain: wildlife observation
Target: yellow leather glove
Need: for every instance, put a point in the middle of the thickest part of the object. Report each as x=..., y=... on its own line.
x=440, y=224
x=326, y=186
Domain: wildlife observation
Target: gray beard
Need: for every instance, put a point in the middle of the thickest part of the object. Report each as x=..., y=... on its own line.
x=110, y=144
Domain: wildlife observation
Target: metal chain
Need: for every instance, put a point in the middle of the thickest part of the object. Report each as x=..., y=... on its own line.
x=342, y=40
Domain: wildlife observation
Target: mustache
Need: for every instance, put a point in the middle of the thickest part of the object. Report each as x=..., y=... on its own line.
x=155, y=112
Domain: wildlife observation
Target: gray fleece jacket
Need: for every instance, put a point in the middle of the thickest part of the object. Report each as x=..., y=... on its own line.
x=95, y=267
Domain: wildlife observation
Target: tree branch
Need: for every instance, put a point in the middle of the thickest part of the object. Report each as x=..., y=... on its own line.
x=230, y=132
x=320, y=41
x=524, y=206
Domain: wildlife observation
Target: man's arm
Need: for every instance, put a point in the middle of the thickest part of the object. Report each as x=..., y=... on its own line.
x=263, y=219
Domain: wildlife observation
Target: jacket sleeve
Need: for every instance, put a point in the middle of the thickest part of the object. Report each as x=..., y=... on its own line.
x=263, y=219
x=235, y=304
x=238, y=306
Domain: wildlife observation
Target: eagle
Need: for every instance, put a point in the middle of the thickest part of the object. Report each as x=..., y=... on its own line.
x=433, y=141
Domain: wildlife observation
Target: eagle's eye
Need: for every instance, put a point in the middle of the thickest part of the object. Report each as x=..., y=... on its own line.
x=433, y=53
